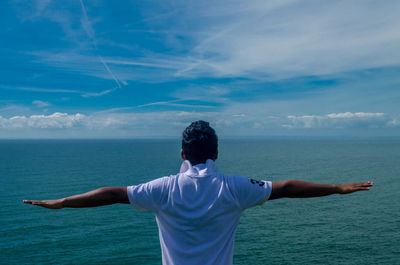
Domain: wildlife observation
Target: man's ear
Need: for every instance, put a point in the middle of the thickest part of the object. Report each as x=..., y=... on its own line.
x=216, y=155
x=183, y=155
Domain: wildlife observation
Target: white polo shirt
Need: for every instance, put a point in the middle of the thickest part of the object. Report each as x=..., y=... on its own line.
x=197, y=211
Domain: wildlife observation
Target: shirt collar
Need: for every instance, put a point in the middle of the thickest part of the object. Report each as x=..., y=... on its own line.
x=199, y=170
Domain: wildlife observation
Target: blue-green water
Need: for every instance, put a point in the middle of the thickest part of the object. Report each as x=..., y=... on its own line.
x=361, y=228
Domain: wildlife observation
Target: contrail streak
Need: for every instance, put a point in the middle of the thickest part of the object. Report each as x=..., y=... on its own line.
x=109, y=71
x=90, y=32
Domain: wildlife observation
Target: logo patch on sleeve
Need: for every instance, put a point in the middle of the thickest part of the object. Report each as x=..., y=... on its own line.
x=260, y=183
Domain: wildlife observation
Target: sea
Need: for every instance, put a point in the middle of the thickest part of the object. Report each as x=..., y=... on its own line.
x=359, y=228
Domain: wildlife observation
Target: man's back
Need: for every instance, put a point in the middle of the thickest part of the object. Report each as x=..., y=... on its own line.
x=198, y=211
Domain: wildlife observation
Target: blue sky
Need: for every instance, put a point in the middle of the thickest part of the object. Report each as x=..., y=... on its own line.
x=117, y=69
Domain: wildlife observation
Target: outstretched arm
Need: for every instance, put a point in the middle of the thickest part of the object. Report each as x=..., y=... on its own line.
x=302, y=189
x=98, y=197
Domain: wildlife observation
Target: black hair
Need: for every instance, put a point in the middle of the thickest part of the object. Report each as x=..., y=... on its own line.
x=199, y=142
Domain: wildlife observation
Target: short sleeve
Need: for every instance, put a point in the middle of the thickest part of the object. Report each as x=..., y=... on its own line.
x=249, y=192
x=148, y=196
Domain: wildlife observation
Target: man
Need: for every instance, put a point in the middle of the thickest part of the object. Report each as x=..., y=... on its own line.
x=198, y=210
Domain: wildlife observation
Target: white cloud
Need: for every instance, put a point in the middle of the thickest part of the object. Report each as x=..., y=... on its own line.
x=347, y=115
x=395, y=122
x=170, y=123
x=41, y=104
x=161, y=66
x=204, y=93
x=56, y=120
x=292, y=38
x=339, y=120
x=276, y=39
x=95, y=121
x=93, y=94
x=68, y=18
x=256, y=39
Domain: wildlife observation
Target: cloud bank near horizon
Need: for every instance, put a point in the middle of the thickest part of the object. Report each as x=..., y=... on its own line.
x=342, y=120
x=127, y=123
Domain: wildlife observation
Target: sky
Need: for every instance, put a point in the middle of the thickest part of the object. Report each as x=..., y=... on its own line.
x=147, y=69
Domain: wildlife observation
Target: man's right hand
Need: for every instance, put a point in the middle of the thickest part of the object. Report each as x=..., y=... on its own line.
x=50, y=204
x=352, y=187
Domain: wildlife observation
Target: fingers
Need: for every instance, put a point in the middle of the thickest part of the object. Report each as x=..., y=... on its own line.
x=370, y=183
x=39, y=203
x=358, y=186
x=366, y=184
x=363, y=185
x=30, y=202
x=50, y=204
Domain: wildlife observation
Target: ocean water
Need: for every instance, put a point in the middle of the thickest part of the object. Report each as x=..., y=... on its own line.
x=360, y=228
